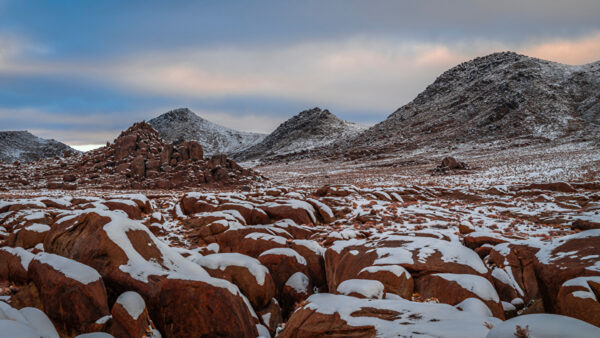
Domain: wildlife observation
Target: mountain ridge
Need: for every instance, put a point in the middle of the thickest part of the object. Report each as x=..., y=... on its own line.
x=501, y=96
x=305, y=131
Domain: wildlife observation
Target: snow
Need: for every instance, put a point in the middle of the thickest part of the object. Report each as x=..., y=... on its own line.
x=338, y=246
x=39, y=321
x=311, y=245
x=14, y=329
x=506, y=306
x=299, y=282
x=397, y=270
x=266, y=237
x=222, y=261
x=103, y=320
x=133, y=303
x=95, y=335
x=285, y=252
x=428, y=319
x=393, y=256
x=267, y=318
x=322, y=206
x=366, y=287
x=424, y=247
x=27, y=322
x=36, y=227
x=582, y=282
x=507, y=279
x=476, y=284
x=546, y=326
x=68, y=267
x=474, y=306
x=263, y=332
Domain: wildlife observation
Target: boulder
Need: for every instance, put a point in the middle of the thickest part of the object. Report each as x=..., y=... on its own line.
x=130, y=317
x=253, y=279
x=14, y=264
x=72, y=294
x=190, y=308
x=453, y=288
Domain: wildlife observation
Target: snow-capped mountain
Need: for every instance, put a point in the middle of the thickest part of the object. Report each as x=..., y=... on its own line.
x=502, y=96
x=23, y=146
x=308, y=130
x=183, y=124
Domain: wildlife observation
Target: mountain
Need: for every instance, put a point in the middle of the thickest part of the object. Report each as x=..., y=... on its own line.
x=183, y=124
x=502, y=96
x=23, y=146
x=308, y=130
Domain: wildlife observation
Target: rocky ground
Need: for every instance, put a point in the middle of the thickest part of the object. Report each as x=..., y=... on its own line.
x=505, y=245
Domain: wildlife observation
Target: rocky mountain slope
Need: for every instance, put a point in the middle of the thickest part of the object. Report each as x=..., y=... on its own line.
x=497, y=97
x=183, y=124
x=308, y=130
x=23, y=146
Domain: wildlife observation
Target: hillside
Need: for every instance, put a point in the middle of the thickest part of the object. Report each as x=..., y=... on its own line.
x=23, y=146
x=502, y=96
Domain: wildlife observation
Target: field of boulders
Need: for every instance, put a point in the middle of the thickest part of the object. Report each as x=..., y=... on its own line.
x=339, y=260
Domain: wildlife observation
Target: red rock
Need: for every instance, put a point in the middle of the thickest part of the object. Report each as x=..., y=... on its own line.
x=271, y=316
x=138, y=166
x=475, y=240
x=556, y=186
x=451, y=292
x=69, y=178
x=554, y=266
x=578, y=298
x=30, y=235
x=307, y=322
x=313, y=253
x=238, y=269
x=282, y=211
x=283, y=263
x=195, y=150
x=125, y=145
x=14, y=263
x=130, y=317
x=133, y=211
x=186, y=308
x=394, y=278
x=72, y=294
x=450, y=163
x=520, y=261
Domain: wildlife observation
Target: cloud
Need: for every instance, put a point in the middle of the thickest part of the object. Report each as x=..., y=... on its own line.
x=248, y=122
x=575, y=52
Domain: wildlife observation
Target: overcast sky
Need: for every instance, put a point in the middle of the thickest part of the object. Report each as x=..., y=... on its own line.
x=82, y=71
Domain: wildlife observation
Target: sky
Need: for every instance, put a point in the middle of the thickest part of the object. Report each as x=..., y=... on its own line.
x=82, y=71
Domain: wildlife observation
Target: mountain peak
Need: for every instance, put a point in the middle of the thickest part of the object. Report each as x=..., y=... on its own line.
x=500, y=96
x=184, y=124
x=181, y=114
x=306, y=130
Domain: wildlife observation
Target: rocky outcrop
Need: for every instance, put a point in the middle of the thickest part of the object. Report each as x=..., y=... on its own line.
x=137, y=159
